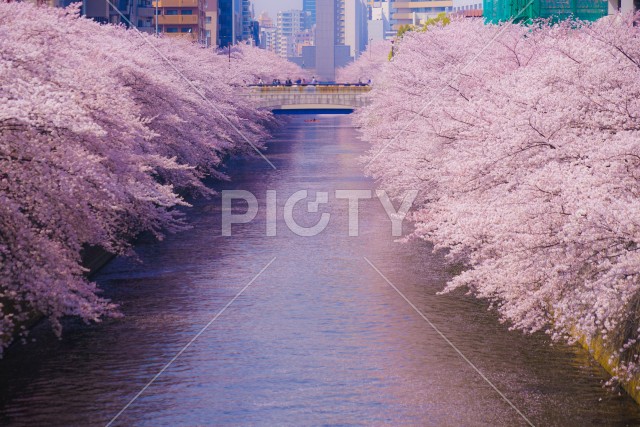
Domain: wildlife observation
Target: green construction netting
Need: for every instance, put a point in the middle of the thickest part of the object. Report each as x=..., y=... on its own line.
x=503, y=10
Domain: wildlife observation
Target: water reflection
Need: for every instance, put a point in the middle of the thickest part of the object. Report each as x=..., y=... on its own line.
x=319, y=338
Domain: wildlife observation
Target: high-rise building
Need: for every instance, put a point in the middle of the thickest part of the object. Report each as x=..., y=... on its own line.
x=255, y=33
x=144, y=17
x=267, y=32
x=268, y=39
x=265, y=20
x=309, y=6
x=326, y=39
x=379, y=23
x=288, y=23
x=247, y=19
x=304, y=38
x=355, y=26
x=341, y=34
x=175, y=17
x=351, y=25
x=230, y=22
x=101, y=11
x=182, y=18
x=340, y=21
x=196, y=20
x=289, y=36
x=211, y=23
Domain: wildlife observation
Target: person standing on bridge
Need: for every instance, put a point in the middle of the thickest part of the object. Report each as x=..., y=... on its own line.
x=314, y=81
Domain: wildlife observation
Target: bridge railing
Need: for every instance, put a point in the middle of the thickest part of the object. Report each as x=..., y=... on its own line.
x=267, y=96
x=308, y=87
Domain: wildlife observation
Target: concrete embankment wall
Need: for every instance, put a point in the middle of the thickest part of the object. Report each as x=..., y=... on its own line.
x=602, y=355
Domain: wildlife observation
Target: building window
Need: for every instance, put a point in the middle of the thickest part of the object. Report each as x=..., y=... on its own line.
x=186, y=29
x=171, y=12
x=187, y=12
x=208, y=20
x=171, y=30
x=208, y=33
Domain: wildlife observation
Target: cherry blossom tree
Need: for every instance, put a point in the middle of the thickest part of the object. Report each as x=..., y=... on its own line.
x=368, y=66
x=103, y=130
x=249, y=65
x=524, y=143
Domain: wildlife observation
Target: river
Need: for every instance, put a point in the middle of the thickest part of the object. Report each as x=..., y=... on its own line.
x=319, y=338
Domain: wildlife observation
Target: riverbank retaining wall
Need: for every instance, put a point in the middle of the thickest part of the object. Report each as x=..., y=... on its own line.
x=603, y=355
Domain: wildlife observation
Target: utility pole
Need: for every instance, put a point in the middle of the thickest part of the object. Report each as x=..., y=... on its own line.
x=157, y=1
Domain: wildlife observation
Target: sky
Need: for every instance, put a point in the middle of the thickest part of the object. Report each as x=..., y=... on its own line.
x=273, y=6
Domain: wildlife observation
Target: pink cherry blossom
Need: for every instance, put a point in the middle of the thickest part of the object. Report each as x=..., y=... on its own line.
x=368, y=65
x=100, y=140
x=525, y=145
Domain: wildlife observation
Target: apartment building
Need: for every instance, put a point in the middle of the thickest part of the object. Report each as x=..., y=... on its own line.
x=304, y=38
x=288, y=24
x=181, y=18
x=100, y=11
x=268, y=39
x=379, y=23
x=211, y=23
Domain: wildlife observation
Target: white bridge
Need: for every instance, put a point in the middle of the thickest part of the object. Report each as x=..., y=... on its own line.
x=310, y=98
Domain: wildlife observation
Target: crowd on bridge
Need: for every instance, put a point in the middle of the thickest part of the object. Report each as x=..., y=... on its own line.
x=301, y=81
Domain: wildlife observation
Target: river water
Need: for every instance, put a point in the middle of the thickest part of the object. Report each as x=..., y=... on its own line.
x=319, y=338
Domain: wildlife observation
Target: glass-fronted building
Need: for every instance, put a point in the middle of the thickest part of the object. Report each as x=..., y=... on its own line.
x=523, y=10
x=309, y=6
x=230, y=22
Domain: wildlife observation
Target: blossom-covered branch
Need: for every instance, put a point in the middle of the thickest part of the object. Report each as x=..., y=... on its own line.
x=99, y=138
x=528, y=161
